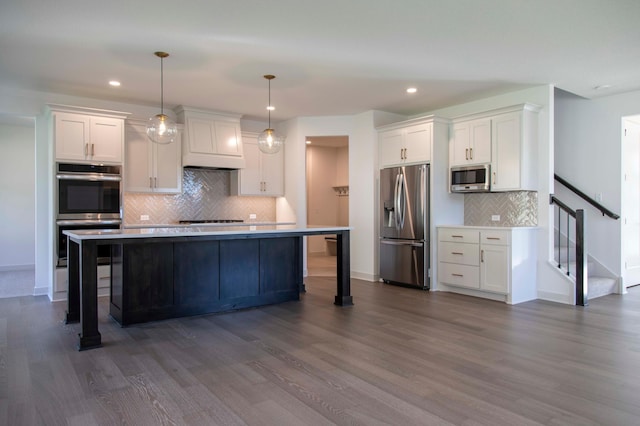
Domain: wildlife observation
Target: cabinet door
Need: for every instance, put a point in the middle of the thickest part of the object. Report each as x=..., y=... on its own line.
x=494, y=268
x=480, y=144
x=228, y=139
x=272, y=166
x=417, y=142
x=106, y=139
x=167, y=167
x=460, y=141
x=250, y=176
x=71, y=134
x=137, y=166
x=390, y=148
x=506, y=146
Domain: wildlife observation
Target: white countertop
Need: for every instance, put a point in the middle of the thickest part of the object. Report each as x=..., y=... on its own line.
x=192, y=231
x=487, y=227
x=182, y=225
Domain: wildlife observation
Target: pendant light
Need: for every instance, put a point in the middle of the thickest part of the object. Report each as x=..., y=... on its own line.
x=269, y=141
x=161, y=129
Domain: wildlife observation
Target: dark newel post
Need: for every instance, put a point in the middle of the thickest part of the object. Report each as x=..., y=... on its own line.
x=343, y=298
x=300, y=242
x=89, y=336
x=73, y=281
x=582, y=282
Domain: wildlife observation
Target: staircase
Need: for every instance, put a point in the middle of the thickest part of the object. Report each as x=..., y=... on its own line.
x=591, y=279
x=600, y=283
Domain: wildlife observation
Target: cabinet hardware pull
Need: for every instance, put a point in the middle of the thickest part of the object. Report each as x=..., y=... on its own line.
x=265, y=186
x=482, y=256
x=405, y=153
x=155, y=182
x=493, y=238
x=466, y=153
x=93, y=150
x=471, y=153
x=457, y=275
x=494, y=178
x=456, y=236
x=86, y=149
x=150, y=182
x=457, y=252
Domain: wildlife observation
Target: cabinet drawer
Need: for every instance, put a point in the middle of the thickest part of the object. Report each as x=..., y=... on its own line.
x=459, y=235
x=460, y=275
x=459, y=253
x=497, y=237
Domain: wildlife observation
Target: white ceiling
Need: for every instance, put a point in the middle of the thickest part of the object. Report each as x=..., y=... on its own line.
x=331, y=57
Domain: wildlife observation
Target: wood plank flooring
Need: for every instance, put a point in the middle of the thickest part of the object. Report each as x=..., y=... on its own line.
x=399, y=357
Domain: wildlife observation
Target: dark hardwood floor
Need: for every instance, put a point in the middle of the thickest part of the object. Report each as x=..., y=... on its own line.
x=399, y=356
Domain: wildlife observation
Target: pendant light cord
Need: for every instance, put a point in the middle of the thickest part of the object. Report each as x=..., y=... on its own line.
x=161, y=85
x=269, y=106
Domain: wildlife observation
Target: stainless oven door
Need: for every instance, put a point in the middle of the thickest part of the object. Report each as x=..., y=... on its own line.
x=104, y=252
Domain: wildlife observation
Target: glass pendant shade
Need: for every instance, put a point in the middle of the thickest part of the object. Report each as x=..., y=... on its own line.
x=269, y=141
x=160, y=128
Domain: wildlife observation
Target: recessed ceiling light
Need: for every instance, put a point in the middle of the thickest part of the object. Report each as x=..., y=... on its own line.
x=308, y=142
x=271, y=108
x=114, y=83
x=412, y=90
x=602, y=87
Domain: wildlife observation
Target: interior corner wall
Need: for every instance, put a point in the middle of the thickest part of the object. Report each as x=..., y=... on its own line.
x=588, y=154
x=17, y=195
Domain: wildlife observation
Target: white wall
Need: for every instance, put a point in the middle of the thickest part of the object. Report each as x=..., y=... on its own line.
x=589, y=155
x=17, y=196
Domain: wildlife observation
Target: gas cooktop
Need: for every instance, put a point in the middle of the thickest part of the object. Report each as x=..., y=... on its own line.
x=197, y=221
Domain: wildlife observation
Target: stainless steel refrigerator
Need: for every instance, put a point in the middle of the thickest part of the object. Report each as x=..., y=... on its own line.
x=404, y=227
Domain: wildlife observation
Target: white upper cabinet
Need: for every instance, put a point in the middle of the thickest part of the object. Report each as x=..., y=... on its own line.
x=263, y=173
x=471, y=143
x=151, y=167
x=87, y=138
x=409, y=142
x=211, y=139
x=505, y=138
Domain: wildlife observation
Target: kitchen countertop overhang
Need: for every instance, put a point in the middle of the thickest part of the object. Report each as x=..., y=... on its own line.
x=202, y=230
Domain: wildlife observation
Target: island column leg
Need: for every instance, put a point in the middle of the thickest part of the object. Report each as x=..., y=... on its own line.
x=73, y=282
x=90, y=336
x=343, y=298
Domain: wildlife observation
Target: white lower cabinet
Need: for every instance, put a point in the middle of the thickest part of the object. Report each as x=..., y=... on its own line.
x=61, y=282
x=495, y=263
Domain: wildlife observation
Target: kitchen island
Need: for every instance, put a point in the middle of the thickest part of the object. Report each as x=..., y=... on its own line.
x=160, y=273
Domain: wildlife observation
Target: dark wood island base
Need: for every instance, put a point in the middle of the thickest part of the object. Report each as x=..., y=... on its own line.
x=192, y=273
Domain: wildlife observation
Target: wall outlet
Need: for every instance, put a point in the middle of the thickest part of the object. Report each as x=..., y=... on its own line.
x=495, y=218
x=144, y=217
x=252, y=216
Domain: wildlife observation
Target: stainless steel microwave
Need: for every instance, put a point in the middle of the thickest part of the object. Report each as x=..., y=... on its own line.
x=474, y=178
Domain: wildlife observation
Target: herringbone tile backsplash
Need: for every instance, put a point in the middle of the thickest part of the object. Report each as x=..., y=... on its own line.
x=515, y=208
x=205, y=195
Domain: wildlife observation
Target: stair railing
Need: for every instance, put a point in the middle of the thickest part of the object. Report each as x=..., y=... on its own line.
x=578, y=225
x=594, y=203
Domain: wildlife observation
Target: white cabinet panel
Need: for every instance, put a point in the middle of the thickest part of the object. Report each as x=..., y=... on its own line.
x=85, y=138
x=405, y=143
x=263, y=174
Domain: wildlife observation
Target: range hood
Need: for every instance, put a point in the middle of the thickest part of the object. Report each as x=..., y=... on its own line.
x=211, y=140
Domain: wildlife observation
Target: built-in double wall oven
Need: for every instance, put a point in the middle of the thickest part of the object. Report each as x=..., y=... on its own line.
x=88, y=197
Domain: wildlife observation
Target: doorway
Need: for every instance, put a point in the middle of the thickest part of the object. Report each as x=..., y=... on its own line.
x=631, y=200
x=327, y=187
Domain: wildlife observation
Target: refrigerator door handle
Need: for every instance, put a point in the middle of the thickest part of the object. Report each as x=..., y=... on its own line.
x=396, y=203
x=401, y=243
x=402, y=201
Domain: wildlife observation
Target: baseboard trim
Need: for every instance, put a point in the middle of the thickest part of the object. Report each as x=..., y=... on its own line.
x=41, y=291
x=363, y=276
x=555, y=297
x=11, y=268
